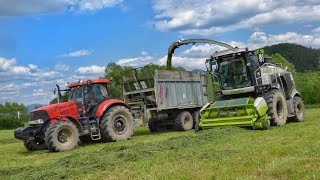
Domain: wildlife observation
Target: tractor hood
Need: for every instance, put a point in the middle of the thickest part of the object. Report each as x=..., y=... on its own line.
x=55, y=110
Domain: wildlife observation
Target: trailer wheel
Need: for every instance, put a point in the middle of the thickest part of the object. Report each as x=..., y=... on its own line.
x=62, y=136
x=184, y=121
x=298, y=109
x=116, y=124
x=85, y=139
x=195, y=118
x=32, y=145
x=197, y=128
x=154, y=126
x=277, y=108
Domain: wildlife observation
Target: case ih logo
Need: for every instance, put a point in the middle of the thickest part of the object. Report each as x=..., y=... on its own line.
x=161, y=94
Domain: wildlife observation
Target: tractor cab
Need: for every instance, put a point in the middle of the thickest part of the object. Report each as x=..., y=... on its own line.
x=235, y=70
x=88, y=95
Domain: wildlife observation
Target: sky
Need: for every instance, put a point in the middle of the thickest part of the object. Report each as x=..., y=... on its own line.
x=43, y=43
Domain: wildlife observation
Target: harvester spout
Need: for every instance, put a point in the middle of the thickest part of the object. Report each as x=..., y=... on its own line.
x=179, y=43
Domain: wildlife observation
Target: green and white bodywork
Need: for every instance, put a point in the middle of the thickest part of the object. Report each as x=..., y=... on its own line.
x=253, y=92
x=236, y=112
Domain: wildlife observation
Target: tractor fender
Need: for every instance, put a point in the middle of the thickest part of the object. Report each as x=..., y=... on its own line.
x=295, y=93
x=107, y=104
x=68, y=118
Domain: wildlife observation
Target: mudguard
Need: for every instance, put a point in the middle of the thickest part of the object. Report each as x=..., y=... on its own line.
x=106, y=104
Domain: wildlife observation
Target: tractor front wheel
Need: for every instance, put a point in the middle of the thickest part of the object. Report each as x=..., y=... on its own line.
x=62, y=136
x=32, y=145
x=277, y=107
x=116, y=124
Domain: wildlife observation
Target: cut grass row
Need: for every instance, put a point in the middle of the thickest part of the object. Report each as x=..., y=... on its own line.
x=290, y=151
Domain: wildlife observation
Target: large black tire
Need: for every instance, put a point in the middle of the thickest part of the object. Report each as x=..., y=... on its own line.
x=195, y=116
x=62, y=136
x=85, y=139
x=32, y=145
x=277, y=107
x=183, y=122
x=116, y=124
x=298, y=109
x=197, y=128
x=155, y=126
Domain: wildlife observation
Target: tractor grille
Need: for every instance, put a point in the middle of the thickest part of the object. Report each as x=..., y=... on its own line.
x=41, y=114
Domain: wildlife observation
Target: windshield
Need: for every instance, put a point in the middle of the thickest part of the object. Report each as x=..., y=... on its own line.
x=75, y=94
x=233, y=73
x=97, y=93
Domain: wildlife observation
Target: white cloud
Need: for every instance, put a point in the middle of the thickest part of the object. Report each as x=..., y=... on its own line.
x=260, y=39
x=210, y=17
x=93, y=5
x=91, y=70
x=137, y=62
x=78, y=53
x=39, y=7
x=33, y=68
x=316, y=31
x=61, y=67
x=6, y=64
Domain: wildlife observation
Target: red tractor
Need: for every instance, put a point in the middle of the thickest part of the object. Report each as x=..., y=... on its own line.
x=89, y=115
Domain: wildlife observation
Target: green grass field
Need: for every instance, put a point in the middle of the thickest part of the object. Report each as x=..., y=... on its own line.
x=287, y=152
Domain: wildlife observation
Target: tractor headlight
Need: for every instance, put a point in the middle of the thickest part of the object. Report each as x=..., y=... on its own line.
x=38, y=121
x=258, y=74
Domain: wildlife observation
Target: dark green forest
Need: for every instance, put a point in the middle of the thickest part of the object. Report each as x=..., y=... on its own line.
x=303, y=58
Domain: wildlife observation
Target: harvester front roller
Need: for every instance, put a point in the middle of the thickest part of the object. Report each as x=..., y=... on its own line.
x=236, y=112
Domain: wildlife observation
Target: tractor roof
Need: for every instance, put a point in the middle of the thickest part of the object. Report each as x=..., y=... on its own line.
x=230, y=51
x=84, y=82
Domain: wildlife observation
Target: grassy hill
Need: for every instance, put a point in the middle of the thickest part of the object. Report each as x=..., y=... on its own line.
x=303, y=58
x=286, y=152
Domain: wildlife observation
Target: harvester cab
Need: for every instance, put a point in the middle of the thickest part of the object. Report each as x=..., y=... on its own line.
x=88, y=115
x=253, y=92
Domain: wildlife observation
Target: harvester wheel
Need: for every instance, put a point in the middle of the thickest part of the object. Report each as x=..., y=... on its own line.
x=195, y=117
x=265, y=126
x=32, y=145
x=62, y=136
x=116, y=124
x=298, y=109
x=184, y=121
x=277, y=108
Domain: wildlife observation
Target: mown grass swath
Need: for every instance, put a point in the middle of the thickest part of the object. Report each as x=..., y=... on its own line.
x=290, y=151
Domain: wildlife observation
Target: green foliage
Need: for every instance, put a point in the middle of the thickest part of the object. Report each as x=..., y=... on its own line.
x=117, y=73
x=308, y=84
x=9, y=115
x=303, y=58
x=277, y=58
x=285, y=152
x=64, y=98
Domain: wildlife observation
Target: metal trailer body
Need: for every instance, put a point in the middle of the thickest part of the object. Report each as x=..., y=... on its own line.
x=160, y=99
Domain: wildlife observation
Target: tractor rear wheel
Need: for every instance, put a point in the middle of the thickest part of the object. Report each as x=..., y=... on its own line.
x=62, y=136
x=298, y=109
x=277, y=107
x=32, y=145
x=183, y=122
x=116, y=124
